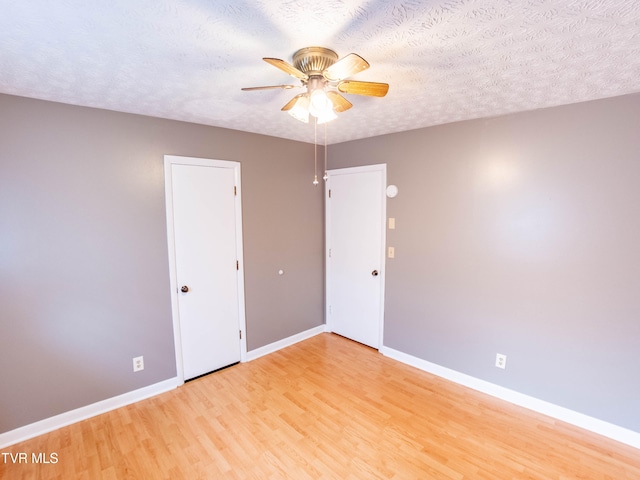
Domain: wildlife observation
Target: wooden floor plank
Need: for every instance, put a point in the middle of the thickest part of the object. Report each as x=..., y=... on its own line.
x=326, y=408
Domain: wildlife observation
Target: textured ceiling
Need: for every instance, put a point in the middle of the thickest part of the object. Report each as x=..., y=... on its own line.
x=446, y=60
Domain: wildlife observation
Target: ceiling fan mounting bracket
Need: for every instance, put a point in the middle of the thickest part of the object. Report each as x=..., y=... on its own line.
x=314, y=60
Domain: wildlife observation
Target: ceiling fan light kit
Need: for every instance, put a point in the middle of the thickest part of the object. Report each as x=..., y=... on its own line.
x=323, y=74
x=300, y=108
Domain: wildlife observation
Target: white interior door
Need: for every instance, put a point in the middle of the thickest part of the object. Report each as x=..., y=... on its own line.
x=355, y=229
x=207, y=292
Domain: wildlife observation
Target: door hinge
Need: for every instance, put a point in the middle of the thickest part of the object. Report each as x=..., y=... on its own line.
x=235, y=190
x=240, y=334
x=237, y=265
x=329, y=253
x=329, y=193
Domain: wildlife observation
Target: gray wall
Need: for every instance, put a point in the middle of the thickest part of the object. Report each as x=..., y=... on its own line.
x=84, y=281
x=520, y=235
x=517, y=234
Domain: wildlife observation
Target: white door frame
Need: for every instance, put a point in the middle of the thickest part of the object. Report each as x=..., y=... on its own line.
x=351, y=170
x=170, y=160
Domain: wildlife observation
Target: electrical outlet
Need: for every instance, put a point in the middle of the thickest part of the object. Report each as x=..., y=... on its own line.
x=392, y=252
x=501, y=360
x=138, y=364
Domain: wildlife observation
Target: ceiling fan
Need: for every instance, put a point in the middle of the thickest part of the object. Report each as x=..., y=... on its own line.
x=325, y=77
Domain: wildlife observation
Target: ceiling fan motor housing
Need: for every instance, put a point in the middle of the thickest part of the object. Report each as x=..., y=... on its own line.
x=314, y=60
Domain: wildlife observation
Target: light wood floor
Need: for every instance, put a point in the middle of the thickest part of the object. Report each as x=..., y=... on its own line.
x=324, y=408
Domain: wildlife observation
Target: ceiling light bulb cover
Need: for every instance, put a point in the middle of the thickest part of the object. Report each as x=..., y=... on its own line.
x=300, y=110
x=319, y=103
x=327, y=116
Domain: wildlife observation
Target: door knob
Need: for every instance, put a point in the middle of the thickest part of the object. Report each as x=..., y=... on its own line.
x=184, y=289
x=374, y=273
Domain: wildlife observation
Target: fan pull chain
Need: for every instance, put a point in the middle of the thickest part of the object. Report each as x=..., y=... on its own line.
x=326, y=175
x=315, y=152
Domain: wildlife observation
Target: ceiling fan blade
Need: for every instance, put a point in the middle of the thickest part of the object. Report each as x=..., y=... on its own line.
x=286, y=67
x=292, y=102
x=372, y=89
x=340, y=104
x=345, y=67
x=286, y=87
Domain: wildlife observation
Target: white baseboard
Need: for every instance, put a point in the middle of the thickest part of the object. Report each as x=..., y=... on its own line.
x=58, y=421
x=285, y=342
x=594, y=425
x=53, y=423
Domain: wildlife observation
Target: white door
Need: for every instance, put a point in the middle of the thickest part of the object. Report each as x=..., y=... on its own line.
x=204, y=223
x=355, y=229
